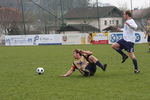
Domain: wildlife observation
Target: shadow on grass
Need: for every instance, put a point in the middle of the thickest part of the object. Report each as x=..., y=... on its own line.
x=105, y=75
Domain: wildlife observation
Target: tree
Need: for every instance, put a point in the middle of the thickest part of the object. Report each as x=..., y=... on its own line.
x=123, y=5
x=51, y=12
x=9, y=20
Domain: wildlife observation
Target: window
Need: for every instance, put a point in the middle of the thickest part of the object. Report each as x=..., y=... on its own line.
x=105, y=22
x=110, y=22
x=117, y=22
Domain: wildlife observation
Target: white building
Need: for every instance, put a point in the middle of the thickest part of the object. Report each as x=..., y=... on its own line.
x=98, y=17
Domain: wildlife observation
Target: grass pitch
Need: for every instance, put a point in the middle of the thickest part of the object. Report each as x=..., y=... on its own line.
x=19, y=81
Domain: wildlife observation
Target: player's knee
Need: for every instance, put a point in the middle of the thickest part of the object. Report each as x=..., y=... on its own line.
x=91, y=57
x=113, y=46
x=132, y=56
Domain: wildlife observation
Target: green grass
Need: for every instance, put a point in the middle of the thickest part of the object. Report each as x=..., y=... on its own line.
x=19, y=81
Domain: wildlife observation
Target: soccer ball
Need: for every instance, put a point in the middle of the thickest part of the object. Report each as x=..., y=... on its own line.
x=40, y=70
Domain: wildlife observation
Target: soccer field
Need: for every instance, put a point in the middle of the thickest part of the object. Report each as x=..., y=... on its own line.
x=19, y=81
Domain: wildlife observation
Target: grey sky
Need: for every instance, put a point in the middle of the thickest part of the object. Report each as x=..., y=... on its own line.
x=135, y=3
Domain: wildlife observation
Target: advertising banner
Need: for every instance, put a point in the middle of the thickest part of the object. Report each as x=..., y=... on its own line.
x=78, y=38
x=139, y=37
x=51, y=39
x=99, y=38
x=21, y=40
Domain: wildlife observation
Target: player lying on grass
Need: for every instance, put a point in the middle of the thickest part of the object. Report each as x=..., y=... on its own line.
x=85, y=63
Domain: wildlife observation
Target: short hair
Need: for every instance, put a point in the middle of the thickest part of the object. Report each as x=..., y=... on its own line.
x=148, y=18
x=128, y=12
x=77, y=51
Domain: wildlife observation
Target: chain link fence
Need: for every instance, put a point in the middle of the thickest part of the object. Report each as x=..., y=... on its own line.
x=34, y=16
x=22, y=17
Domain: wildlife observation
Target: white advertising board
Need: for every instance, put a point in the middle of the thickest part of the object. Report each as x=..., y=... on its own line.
x=69, y=39
x=114, y=37
x=20, y=40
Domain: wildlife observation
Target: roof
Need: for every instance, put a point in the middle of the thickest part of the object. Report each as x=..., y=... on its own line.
x=79, y=27
x=141, y=13
x=111, y=29
x=91, y=12
x=140, y=16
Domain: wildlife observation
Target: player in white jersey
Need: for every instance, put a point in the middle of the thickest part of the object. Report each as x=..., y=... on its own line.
x=128, y=40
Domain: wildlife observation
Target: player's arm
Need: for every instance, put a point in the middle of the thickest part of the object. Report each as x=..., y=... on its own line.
x=86, y=52
x=69, y=72
x=132, y=25
x=120, y=29
x=146, y=32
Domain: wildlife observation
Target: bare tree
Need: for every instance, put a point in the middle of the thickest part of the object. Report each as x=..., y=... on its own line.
x=123, y=5
x=9, y=19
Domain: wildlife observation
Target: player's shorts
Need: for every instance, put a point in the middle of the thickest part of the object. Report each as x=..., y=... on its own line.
x=91, y=69
x=148, y=39
x=128, y=46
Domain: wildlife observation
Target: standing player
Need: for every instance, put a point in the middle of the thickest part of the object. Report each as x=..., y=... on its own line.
x=127, y=42
x=148, y=32
x=85, y=62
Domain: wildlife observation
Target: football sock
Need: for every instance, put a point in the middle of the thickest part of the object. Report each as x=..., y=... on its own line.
x=99, y=64
x=120, y=52
x=135, y=64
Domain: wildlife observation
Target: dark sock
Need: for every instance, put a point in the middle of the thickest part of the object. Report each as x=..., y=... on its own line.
x=100, y=65
x=120, y=52
x=135, y=64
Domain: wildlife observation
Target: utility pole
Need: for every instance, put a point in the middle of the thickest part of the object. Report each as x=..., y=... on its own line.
x=98, y=15
x=22, y=8
x=131, y=6
x=61, y=7
x=62, y=16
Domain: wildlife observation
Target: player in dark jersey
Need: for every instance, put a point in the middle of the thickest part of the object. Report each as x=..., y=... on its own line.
x=148, y=33
x=85, y=63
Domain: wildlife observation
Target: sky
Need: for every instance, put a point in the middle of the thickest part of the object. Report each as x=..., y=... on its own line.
x=135, y=3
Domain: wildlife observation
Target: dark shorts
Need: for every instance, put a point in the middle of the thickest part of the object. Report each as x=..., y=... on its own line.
x=148, y=39
x=128, y=46
x=91, y=69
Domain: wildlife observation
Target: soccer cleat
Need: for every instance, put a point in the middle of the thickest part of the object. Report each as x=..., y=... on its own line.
x=136, y=71
x=105, y=66
x=124, y=58
x=148, y=51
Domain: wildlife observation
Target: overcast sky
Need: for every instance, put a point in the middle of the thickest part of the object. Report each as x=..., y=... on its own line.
x=135, y=3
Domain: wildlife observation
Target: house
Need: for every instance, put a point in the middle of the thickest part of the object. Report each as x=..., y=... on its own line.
x=82, y=28
x=98, y=17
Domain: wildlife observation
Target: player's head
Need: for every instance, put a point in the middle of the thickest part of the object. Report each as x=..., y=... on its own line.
x=127, y=14
x=76, y=54
x=148, y=20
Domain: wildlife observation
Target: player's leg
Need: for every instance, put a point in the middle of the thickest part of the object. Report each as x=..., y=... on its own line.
x=118, y=48
x=91, y=67
x=94, y=60
x=134, y=60
x=130, y=50
x=148, y=40
x=149, y=45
